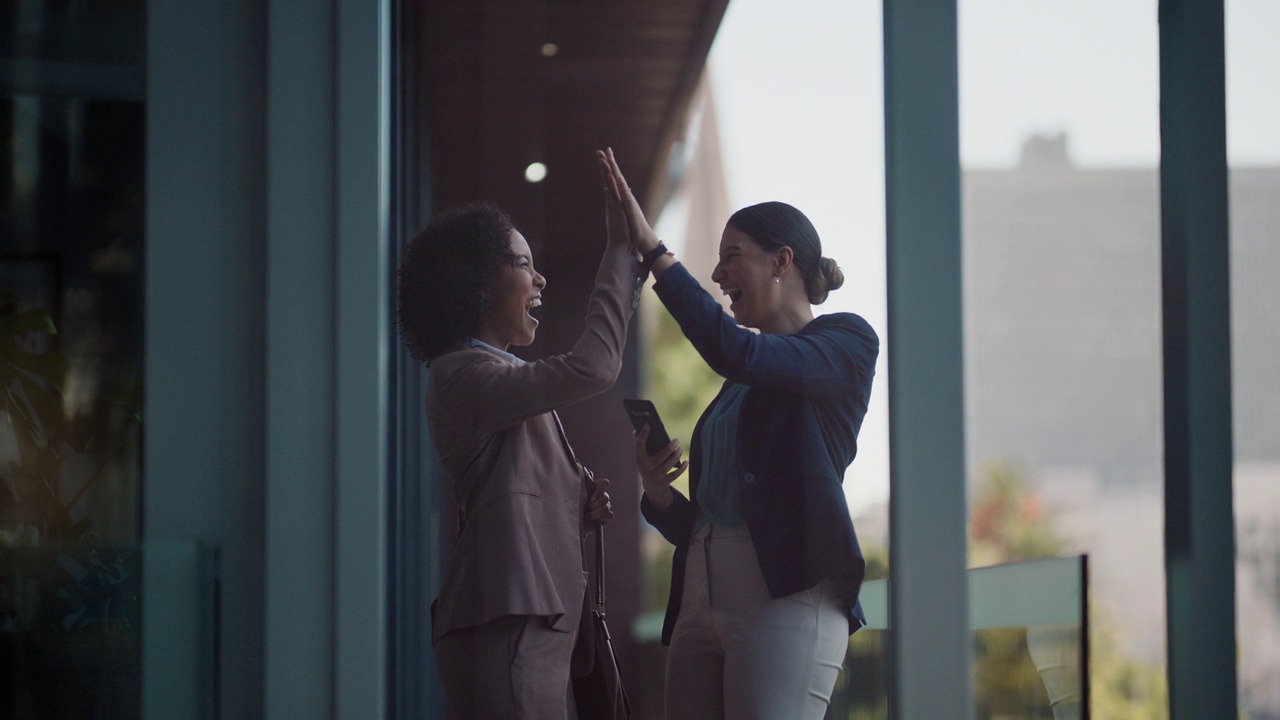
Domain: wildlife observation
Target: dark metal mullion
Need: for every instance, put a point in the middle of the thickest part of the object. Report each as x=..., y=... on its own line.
x=1199, y=520
x=929, y=607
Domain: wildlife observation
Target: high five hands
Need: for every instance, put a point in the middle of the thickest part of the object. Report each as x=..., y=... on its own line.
x=641, y=236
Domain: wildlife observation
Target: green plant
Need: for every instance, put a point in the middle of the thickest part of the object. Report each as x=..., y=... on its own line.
x=54, y=574
x=677, y=379
x=1008, y=519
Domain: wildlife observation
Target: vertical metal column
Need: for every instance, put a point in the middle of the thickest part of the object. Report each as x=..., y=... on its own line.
x=415, y=498
x=363, y=348
x=1199, y=520
x=928, y=587
x=300, y=358
x=179, y=656
x=205, y=377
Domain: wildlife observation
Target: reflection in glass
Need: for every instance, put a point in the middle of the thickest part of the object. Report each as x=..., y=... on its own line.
x=1030, y=624
x=71, y=348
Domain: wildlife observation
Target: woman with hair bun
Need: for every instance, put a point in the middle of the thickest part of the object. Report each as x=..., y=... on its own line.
x=765, y=579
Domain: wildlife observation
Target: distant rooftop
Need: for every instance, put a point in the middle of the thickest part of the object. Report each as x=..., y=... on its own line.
x=1045, y=152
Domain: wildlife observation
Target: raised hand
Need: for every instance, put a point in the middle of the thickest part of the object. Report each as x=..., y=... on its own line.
x=657, y=471
x=642, y=235
x=617, y=224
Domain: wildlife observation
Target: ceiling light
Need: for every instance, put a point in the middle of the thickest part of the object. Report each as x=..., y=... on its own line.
x=550, y=50
x=535, y=172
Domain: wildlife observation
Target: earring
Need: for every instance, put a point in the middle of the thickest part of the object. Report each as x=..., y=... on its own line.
x=777, y=279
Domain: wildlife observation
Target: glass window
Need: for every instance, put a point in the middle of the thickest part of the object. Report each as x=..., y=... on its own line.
x=1060, y=158
x=71, y=355
x=1253, y=154
x=802, y=123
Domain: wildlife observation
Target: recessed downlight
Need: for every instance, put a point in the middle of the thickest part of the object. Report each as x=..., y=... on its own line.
x=536, y=172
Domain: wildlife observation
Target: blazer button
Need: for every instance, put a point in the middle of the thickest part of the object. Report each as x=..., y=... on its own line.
x=748, y=478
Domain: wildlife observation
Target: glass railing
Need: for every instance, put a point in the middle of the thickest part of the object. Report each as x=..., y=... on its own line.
x=1030, y=661
x=108, y=632
x=1030, y=630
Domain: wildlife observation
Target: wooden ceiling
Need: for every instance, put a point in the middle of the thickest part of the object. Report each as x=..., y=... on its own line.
x=621, y=75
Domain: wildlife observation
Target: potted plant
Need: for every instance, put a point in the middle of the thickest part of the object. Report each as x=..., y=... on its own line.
x=69, y=602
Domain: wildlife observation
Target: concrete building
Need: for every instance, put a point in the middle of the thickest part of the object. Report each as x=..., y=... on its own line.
x=1063, y=376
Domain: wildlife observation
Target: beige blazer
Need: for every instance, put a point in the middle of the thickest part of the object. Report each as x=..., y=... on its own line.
x=509, y=469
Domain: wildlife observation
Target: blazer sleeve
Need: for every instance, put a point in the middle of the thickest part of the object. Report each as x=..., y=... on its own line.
x=498, y=394
x=833, y=358
x=676, y=522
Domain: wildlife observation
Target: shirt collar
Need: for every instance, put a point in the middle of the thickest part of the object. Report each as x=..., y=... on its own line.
x=496, y=351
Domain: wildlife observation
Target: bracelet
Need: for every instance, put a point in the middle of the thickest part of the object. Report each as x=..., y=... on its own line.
x=652, y=256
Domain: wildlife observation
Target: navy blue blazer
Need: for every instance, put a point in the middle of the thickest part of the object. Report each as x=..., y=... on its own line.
x=797, y=433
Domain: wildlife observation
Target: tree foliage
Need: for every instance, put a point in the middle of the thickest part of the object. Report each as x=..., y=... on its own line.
x=1008, y=522
x=677, y=379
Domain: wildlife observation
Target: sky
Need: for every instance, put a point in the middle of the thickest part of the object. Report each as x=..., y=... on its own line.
x=799, y=97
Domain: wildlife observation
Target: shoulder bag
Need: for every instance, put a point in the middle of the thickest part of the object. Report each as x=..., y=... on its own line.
x=597, y=684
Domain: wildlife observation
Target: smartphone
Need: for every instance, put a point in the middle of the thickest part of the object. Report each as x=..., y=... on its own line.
x=642, y=412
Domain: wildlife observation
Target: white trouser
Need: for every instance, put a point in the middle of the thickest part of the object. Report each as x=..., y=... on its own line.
x=739, y=654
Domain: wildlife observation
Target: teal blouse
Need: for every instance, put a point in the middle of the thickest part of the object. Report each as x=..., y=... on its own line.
x=719, y=501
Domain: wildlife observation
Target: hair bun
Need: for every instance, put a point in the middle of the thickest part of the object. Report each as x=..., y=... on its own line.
x=827, y=278
x=832, y=272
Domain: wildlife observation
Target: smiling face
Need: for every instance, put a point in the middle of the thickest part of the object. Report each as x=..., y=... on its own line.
x=745, y=273
x=515, y=291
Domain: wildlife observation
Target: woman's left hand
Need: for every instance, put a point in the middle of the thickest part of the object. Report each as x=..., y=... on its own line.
x=617, y=224
x=599, y=509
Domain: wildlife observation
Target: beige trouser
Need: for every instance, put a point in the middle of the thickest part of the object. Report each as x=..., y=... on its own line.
x=739, y=654
x=513, y=667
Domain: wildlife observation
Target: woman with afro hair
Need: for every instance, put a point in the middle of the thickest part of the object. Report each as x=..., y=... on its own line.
x=505, y=623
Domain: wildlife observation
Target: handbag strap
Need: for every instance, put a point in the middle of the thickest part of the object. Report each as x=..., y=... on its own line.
x=600, y=569
x=589, y=480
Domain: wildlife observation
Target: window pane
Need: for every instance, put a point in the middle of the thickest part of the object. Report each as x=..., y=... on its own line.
x=798, y=120
x=1060, y=153
x=71, y=351
x=1253, y=153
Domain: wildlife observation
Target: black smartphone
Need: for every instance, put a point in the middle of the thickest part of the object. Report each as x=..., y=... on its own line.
x=642, y=412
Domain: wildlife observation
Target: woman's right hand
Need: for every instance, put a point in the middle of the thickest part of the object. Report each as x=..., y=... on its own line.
x=658, y=470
